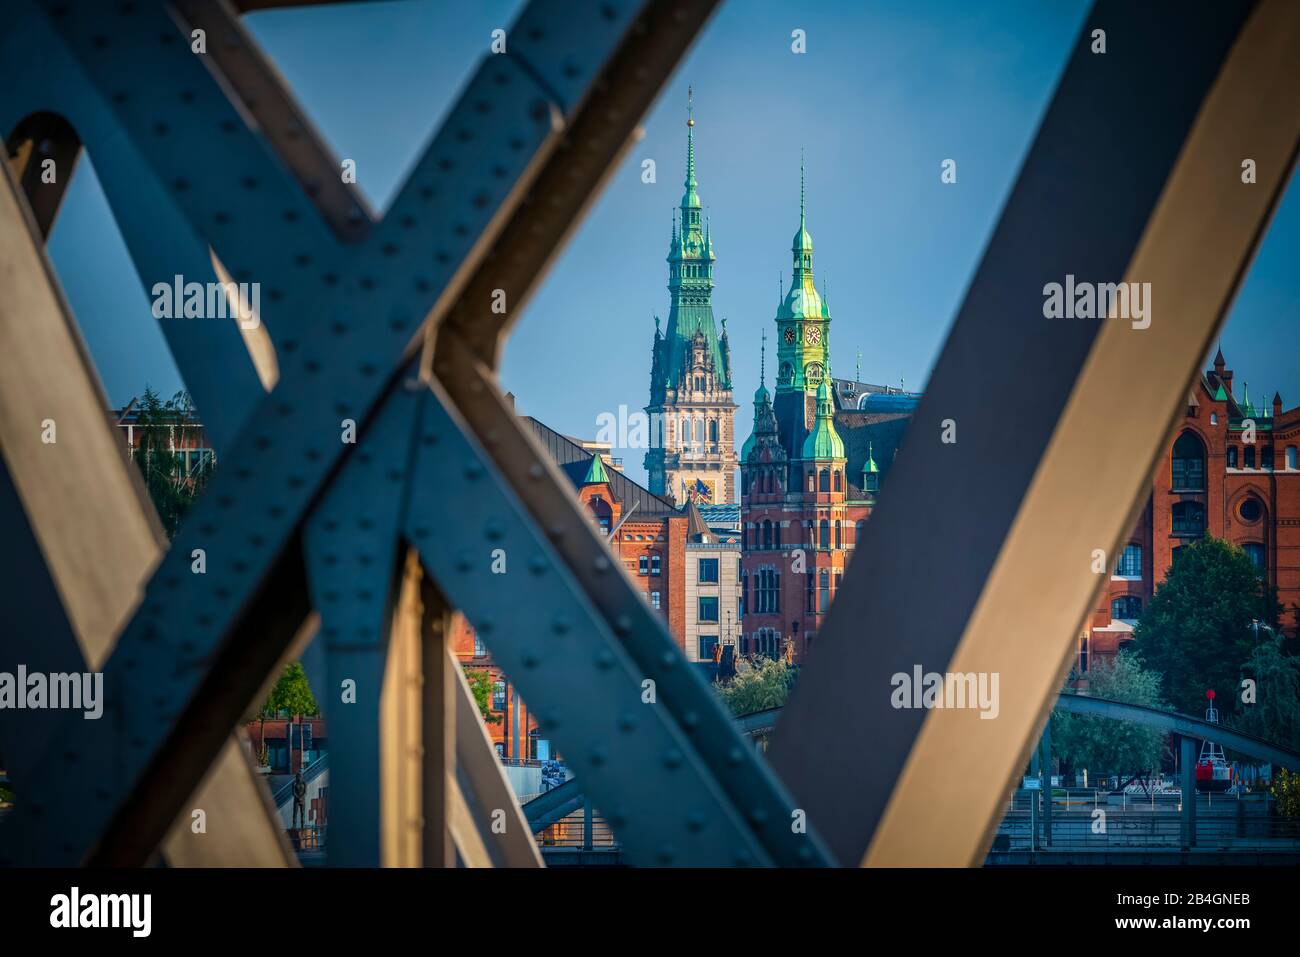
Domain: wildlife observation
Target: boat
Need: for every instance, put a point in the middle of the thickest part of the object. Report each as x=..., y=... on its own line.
x=1213, y=773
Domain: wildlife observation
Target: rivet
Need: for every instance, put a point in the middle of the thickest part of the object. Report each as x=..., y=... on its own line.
x=695, y=822
x=599, y=755
x=604, y=659
x=735, y=756
x=672, y=758
x=626, y=722
x=560, y=625
x=537, y=565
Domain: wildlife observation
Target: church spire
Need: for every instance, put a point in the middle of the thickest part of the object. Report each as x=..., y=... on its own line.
x=691, y=198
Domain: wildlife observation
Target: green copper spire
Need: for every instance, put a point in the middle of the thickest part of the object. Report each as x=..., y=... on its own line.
x=823, y=442
x=596, y=474
x=803, y=318
x=690, y=284
x=1246, y=408
x=690, y=198
x=870, y=472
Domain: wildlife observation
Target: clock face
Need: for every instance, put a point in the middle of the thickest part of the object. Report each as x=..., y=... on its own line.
x=789, y=334
x=813, y=335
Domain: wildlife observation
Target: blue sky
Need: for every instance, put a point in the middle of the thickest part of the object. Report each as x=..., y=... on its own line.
x=884, y=93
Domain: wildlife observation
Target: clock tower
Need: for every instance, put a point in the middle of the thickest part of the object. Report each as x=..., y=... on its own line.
x=692, y=453
x=803, y=322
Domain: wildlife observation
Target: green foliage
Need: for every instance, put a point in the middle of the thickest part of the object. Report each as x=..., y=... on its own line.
x=291, y=695
x=1275, y=713
x=765, y=685
x=170, y=489
x=1196, y=631
x=480, y=685
x=1104, y=745
x=1286, y=791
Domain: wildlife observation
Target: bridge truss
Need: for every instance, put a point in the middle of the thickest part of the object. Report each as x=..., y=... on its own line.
x=355, y=555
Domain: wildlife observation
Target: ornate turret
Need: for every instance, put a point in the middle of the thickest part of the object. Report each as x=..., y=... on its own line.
x=803, y=317
x=823, y=442
x=870, y=472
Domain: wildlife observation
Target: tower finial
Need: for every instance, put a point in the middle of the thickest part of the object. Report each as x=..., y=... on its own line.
x=762, y=361
x=802, y=218
x=857, y=369
x=780, y=287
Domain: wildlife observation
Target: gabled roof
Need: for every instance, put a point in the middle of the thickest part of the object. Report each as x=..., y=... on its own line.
x=575, y=461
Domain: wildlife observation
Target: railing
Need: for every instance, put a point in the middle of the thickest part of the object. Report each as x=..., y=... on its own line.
x=1223, y=822
x=284, y=793
x=574, y=831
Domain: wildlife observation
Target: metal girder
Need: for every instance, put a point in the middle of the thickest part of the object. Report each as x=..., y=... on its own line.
x=554, y=805
x=81, y=551
x=169, y=694
x=1009, y=516
x=645, y=734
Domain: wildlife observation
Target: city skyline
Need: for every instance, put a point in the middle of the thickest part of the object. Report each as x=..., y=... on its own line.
x=895, y=246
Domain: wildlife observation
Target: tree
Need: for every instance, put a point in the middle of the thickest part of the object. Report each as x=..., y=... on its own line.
x=171, y=489
x=291, y=695
x=1274, y=714
x=1196, y=630
x=766, y=685
x=1105, y=745
x=480, y=685
x=1286, y=791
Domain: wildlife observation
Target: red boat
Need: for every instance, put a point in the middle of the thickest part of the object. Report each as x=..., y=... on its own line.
x=1213, y=773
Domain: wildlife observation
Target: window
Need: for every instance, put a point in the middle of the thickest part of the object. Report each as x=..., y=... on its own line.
x=499, y=696
x=480, y=649
x=1083, y=654
x=1188, y=469
x=707, y=644
x=1189, y=519
x=1126, y=608
x=1255, y=552
x=709, y=608
x=823, y=534
x=823, y=592
x=768, y=592
x=1266, y=457
x=708, y=570
x=713, y=430
x=839, y=533
x=745, y=598
x=1130, y=562
x=824, y=480
x=776, y=534
x=643, y=565
x=1250, y=456
x=1232, y=456
x=766, y=642
x=767, y=535
x=654, y=599
x=839, y=481
x=1250, y=510
x=1291, y=457
x=810, y=594
x=655, y=564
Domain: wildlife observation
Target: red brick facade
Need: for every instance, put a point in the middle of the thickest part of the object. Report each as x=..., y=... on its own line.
x=1211, y=480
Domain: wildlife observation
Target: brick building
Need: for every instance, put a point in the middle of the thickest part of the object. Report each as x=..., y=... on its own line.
x=809, y=472
x=1229, y=470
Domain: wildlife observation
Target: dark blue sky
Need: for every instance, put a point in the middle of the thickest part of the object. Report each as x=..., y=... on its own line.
x=885, y=93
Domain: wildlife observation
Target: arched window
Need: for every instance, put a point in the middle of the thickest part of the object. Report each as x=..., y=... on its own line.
x=713, y=430
x=1188, y=467
x=1250, y=457
x=787, y=372
x=1126, y=608
x=1266, y=458
x=600, y=511
x=656, y=564
x=839, y=481
x=812, y=481
x=823, y=592
x=823, y=534
x=858, y=529
x=767, y=535
x=776, y=534
x=1291, y=457
x=1232, y=456
x=839, y=534
x=824, y=480
x=1189, y=519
